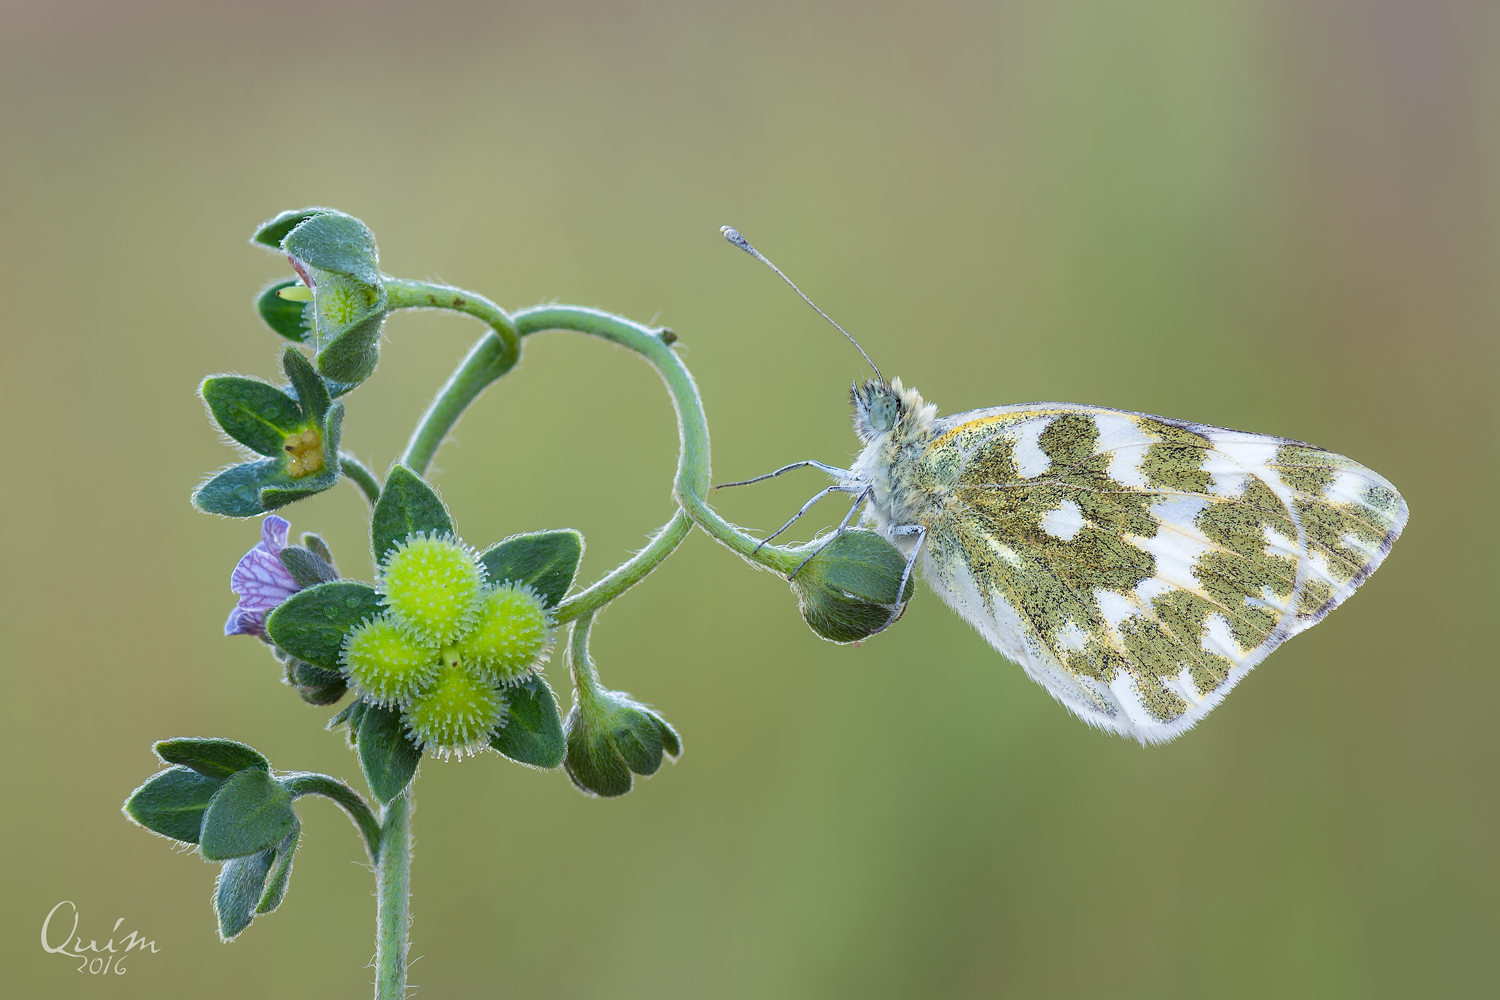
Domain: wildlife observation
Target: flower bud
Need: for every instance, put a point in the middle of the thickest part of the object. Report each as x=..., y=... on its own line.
x=336, y=257
x=610, y=736
x=847, y=591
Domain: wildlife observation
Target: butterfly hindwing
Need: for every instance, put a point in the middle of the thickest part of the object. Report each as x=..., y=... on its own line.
x=1137, y=566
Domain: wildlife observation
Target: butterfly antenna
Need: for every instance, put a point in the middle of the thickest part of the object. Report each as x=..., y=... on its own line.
x=733, y=235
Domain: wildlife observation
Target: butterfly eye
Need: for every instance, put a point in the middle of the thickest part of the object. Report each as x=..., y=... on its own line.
x=883, y=412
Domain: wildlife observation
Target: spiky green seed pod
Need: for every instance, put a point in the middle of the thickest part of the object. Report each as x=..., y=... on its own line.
x=456, y=714
x=431, y=585
x=509, y=635
x=386, y=663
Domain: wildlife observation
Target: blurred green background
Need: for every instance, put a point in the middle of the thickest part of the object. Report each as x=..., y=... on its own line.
x=1279, y=216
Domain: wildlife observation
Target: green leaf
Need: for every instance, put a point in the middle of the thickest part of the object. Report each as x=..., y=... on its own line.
x=315, y=685
x=281, y=873
x=351, y=355
x=309, y=387
x=271, y=232
x=336, y=242
x=312, y=623
x=242, y=883
x=171, y=803
x=320, y=547
x=289, y=490
x=594, y=765
x=307, y=567
x=406, y=505
x=211, y=757
x=386, y=756
x=533, y=732
x=350, y=715
x=249, y=813
x=256, y=414
x=547, y=561
x=235, y=491
x=284, y=316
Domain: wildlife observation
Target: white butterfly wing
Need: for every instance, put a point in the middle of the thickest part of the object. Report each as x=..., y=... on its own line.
x=1139, y=567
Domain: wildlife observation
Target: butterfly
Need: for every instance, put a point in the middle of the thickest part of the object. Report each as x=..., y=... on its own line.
x=1137, y=567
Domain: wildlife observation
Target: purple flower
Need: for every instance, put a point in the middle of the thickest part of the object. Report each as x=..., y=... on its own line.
x=260, y=580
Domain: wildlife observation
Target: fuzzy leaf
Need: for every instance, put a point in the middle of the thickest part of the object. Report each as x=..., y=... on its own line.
x=242, y=883
x=256, y=414
x=284, y=316
x=171, y=803
x=309, y=387
x=595, y=765
x=211, y=757
x=280, y=874
x=249, y=813
x=547, y=561
x=307, y=567
x=533, y=732
x=333, y=241
x=386, y=756
x=350, y=356
x=350, y=716
x=312, y=623
x=271, y=232
x=315, y=685
x=407, y=505
x=235, y=492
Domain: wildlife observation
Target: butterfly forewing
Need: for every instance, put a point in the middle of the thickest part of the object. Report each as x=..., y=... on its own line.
x=1138, y=566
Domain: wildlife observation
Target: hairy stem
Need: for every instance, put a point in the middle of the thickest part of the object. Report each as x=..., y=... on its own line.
x=495, y=354
x=393, y=898
x=360, y=475
x=690, y=487
x=307, y=783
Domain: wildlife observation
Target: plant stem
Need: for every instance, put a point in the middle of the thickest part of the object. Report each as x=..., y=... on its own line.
x=302, y=783
x=360, y=475
x=392, y=898
x=495, y=354
x=691, y=484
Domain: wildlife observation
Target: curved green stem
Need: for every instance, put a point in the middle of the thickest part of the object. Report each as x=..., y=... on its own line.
x=495, y=354
x=360, y=475
x=690, y=487
x=302, y=783
x=393, y=898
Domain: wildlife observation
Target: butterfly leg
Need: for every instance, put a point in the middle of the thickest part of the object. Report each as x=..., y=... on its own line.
x=906, y=529
x=808, y=506
x=864, y=494
x=832, y=471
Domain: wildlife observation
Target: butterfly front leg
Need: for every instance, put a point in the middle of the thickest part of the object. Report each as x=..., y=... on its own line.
x=904, y=529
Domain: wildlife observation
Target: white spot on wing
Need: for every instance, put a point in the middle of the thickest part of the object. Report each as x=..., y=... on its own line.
x=1030, y=460
x=1070, y=638
x=1348, y=487
x=1179, y=542
x=1065, y=522
x=1182, y=685
x=1218, y=639
x=1004, y=551
x=1121, y=438
x=1115, y=608
x=1123, y=688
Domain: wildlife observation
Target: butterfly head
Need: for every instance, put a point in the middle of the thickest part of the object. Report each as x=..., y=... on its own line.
x=880, y=408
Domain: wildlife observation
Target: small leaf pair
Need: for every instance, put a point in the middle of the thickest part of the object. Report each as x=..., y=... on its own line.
x=336, y=258
x=221, y=795
x=297, y=429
